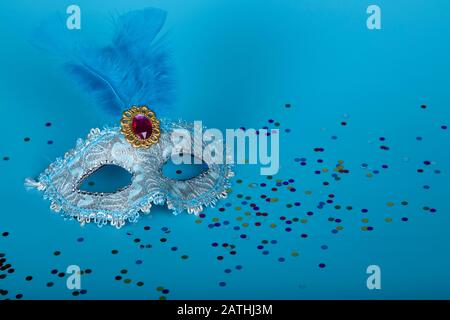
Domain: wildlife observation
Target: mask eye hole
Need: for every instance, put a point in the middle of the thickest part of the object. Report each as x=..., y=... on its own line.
x=106, y=179
x=184, y=171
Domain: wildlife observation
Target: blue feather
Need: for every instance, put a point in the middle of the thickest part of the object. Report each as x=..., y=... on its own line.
x=134, y=69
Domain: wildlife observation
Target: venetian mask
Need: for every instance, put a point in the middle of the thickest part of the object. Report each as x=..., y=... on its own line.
x=128, y=76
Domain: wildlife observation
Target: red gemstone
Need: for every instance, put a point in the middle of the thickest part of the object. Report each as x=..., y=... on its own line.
x=142, y=126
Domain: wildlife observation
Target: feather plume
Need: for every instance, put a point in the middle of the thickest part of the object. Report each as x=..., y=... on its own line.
x=134, y=69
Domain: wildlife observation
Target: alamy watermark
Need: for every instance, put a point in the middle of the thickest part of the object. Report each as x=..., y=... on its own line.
x=374, y=279
x=73, y=21
x=374, y=20
x=236, y=146
x=73, y=281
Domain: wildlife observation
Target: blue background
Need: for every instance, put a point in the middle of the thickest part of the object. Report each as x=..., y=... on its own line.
x=238, y=63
